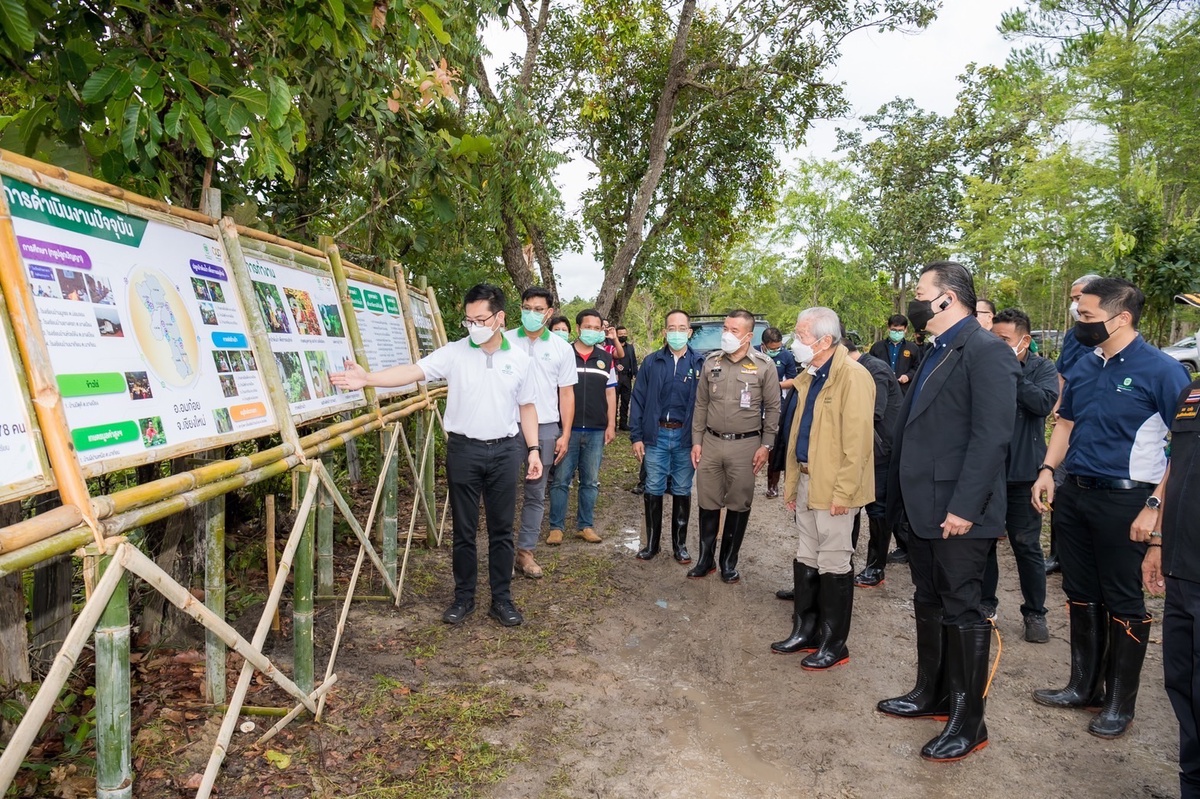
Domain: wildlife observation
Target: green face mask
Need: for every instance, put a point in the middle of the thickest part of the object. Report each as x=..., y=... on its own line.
x=896, y=335
x=564, y=335
x=677, y=340
x=591, y=337
x=533, y=321
x=774, y=352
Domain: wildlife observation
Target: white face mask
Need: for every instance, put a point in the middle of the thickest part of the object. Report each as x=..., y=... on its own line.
x=803, y=352
x=1075, y=311
x=1017, y=350
x=730, y=343
x=481, y=334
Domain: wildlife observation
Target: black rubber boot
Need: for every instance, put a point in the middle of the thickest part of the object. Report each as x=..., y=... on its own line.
x=731, y=543
x=833, y=609
x=967, y=650
x=681, y=511
x=653, y=526
x=1089, y=641
x=708, y=523
x=928, y=697
x=773, y=483
x=804, y=637
x=1126, y=650
x=785, y=595
x=877, y=540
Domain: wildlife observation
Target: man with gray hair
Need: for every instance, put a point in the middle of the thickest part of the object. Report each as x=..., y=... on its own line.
x=830, y=476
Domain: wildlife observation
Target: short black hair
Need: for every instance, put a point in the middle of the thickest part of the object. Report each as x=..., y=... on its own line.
x=1015, y=317
x=480, y=292
x=559, y=319
x=621, y=327
x=897, y=320
x=988, y=303
x=1118, y=295
x=674, y=311
x=741, y=313
x=772, y=334
x=953, y=276
x=849, y=344
x=585, y=313
x=538, y=291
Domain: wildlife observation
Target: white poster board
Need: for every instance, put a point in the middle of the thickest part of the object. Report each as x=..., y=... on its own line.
x=145, y=330
x=423, y=322
x=381, y=324
x=23, y=469
x=308, y=334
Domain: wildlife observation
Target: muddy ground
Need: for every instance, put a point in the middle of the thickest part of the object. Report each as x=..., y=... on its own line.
x=628, y=680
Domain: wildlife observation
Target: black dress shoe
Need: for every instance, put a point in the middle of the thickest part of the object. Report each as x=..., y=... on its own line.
x=506, y=613
x=638, y=489
x=458, y=611
x=1052, y=565
x=897, y=555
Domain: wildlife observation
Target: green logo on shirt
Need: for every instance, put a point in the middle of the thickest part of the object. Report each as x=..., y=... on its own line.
x=1129, y=381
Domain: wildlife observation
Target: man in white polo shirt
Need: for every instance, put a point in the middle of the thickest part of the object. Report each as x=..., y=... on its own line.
x=553, y=374
x=491, y=394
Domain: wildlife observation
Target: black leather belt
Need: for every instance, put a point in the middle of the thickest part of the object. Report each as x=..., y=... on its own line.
x=1107, y=484
x=732, y=436
x=489, y=441
x=671, y=425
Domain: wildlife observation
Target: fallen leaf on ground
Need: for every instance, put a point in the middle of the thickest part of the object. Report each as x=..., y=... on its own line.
x=278, y=759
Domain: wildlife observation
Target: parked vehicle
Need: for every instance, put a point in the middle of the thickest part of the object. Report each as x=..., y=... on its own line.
x=706, y=332
x=1185, y=352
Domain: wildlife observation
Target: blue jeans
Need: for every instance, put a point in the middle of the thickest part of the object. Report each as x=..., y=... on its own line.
x=668, y=456
x=584, y=452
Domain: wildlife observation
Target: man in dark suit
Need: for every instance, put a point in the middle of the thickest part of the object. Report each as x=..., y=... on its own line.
x=627, y=369
x=947, y=476
x=898, y=352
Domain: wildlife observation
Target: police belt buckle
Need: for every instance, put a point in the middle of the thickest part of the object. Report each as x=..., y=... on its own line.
x=731, y=436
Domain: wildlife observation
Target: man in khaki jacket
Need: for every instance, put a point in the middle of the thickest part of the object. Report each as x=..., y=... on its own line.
x=830, y=475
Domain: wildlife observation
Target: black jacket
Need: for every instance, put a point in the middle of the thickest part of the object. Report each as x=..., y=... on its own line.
x=907, y=360
x=629, y=362
x=1037, y=391
x=949, y=450
x=1181, y=502
x=888, y=399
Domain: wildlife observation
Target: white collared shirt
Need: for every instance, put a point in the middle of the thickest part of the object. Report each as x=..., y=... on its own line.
x=485, y=390
x=553, y=368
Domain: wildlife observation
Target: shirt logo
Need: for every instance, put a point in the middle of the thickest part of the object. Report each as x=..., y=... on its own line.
x=507, y=369
x=907, y=354
x=599, y=364
x=1129, y=381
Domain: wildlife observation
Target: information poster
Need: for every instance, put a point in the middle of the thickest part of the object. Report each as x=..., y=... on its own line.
x=146, y=333
x=423, y=322
x=385, y=339
x=307, y=332
x=22, y=467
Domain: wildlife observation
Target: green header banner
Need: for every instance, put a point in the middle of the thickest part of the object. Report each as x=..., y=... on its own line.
x=41, y=205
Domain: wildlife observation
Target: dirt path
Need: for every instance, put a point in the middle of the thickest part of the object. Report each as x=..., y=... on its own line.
x=642, y=683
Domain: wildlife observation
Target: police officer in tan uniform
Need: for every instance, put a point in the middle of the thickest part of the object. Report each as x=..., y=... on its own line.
x=733, y=430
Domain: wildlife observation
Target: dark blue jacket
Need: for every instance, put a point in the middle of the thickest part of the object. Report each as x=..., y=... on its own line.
x=650, y=394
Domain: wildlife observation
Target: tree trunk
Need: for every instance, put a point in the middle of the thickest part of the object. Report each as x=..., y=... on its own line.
x=52, y=590
x=545, y=266
x=14, y=641
x=616, y=277
x=513, y=250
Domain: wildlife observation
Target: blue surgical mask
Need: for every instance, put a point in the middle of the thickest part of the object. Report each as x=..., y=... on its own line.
x=775, y=351
x=533, y=321
x=564, y=335
x=591, y=338
x=677, y=340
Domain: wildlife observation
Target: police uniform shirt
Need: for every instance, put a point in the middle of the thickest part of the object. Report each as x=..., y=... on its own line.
x=486, y=390
x=553, y=368
x=1181, y=504
x=1120, y=409
x=730, y=396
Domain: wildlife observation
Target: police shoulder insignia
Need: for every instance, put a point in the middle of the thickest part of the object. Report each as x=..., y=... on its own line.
x=1188, y=412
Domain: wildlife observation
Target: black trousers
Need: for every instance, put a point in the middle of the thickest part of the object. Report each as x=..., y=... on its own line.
x=948, y=572
x=624, y=392
x=1181, y=667
x=1025, y=537
x=476, y=469
x=1099, y=563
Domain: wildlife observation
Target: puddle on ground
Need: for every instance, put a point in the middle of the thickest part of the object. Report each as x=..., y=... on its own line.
x=720, y=730
x=631, y=539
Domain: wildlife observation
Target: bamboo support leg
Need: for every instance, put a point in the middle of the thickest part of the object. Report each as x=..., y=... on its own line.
x=363, y=539
x=269, y=502
x=427, y=469
x=114, y=779
x=214, y=597
x=302, y=596
x=324, y=543
x=64, y=661
x=317, y=695
x=388, y=474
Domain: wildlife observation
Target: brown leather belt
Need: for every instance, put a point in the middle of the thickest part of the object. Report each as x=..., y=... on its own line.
x=671, y=425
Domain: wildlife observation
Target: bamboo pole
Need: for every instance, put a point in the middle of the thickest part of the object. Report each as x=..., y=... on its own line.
x=318, y=694
x=324, y=542
x=47, y=402
x=64, y=661
x=356, y=339
x=214, y=597
x=302, y=589
x=419, y=497
x=414, y=343
x=258, y=334
x=260, y=637
x=270, y=523
x=388, y=522
x=141, y=565
x=435, y=311
x=114, y=779
x=362, y=537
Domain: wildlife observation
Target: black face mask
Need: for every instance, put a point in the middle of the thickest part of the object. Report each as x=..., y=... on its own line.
x=1093, y=334
x=623, y=339
x=921, y=311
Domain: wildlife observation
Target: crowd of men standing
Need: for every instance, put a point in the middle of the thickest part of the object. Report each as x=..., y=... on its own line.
x=938, y=441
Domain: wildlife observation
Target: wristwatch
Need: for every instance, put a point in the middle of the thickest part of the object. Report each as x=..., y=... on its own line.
x=534, y=448
x=1153, y=503
x=1045, y=466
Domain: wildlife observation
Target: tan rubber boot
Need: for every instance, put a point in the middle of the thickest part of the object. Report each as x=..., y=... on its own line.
x=555, y=538
x=526, y=565
x=589, y=535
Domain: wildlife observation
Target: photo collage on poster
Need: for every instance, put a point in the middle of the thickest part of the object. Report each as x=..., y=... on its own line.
x=21, y=468
x=132, y=312
x=307, y=333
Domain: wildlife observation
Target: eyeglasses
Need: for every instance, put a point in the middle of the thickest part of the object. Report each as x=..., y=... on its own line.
x=469, y=323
